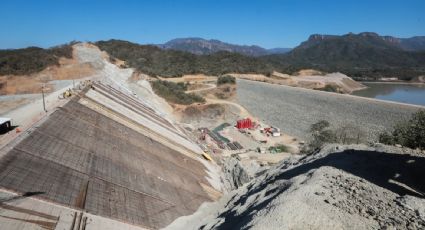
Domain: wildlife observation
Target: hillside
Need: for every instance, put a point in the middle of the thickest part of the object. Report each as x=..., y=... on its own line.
x=364, y=56
x=32, y=59
x=202, y=46
x=340, y=187
x=416, y=43
x=172, y=63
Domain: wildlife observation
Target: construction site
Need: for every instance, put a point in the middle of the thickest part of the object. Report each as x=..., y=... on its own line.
x=96, y=154
x=248, y=140
x=96, y=151
x=101, y=150
x=104, y=152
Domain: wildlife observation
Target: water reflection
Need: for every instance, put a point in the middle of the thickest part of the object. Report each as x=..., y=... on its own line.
x=406, y=93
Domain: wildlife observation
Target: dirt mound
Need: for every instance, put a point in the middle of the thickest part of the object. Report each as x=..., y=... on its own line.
x=341, y=187
x=308, y=72
x=419, y=79
x=309, y=79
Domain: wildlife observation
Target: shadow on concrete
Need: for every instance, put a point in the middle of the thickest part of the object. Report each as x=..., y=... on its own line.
x=401, y=174
x=4, y=130
x=18, y=197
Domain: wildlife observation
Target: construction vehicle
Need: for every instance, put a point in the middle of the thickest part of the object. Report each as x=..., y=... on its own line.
x=66, y=94
x=207, y=156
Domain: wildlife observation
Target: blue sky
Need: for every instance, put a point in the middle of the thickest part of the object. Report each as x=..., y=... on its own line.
x=267, y=23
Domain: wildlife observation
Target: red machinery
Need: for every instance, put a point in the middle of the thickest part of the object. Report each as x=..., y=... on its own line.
x=244, y=124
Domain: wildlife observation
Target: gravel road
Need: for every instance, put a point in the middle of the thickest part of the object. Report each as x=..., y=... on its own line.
x=295, y=109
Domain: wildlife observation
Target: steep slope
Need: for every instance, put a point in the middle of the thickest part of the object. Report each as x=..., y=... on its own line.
x=202, y=46
x=107, y=150
x=361, y=56
x=341, y=187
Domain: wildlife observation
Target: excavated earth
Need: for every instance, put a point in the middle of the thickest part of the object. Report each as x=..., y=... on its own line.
x=340, y=187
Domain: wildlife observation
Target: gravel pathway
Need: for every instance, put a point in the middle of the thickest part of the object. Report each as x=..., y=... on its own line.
x=295, y=109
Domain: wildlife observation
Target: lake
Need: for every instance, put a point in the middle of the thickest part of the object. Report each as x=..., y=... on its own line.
x=405, y=93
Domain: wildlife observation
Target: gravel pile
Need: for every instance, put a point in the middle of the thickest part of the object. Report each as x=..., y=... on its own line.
x=340, y=187
x=295, y=109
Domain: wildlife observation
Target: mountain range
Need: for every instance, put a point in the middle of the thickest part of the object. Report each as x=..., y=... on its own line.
x=416, y=43
x=363, y=56
x=202, y=46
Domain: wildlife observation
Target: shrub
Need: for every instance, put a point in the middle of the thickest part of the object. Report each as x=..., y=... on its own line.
x=319, y=126
x=175, y=92
x=350, y=134
x=226, y=79
x=320, y=134
x=279, y=148
x=329, y=88
x=409, y=133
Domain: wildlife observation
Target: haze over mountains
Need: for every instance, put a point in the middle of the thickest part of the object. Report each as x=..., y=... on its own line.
x=202, y=46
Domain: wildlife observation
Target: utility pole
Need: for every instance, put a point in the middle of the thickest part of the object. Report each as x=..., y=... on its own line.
x=42, y=93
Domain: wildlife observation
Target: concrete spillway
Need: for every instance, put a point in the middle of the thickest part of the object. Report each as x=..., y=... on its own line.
x=94, y=155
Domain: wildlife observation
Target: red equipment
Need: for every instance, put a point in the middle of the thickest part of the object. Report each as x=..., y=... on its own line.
x=244, y=124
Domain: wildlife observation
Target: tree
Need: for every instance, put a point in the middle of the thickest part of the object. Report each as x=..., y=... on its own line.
x=409, y=133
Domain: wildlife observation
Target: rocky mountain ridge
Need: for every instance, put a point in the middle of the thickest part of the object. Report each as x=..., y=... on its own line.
x=416, y=43
x=202, y=46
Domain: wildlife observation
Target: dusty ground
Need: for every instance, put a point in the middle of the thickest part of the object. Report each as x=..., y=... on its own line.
x=192, y=78
x=10, y=102
x=221, y=107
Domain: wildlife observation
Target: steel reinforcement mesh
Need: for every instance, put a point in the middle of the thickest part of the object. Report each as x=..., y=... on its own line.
x=83, y=159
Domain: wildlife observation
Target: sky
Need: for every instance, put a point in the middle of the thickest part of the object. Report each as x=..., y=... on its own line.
x=268, y=23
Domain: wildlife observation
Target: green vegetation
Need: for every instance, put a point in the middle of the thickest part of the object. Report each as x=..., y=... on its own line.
x=321, y=134
x=226, y=79
x=172, y=63
x=279, y=148
x=360, y=57
x=329, y=88
x=410, y=133
x=31, y=59
x=175, y=92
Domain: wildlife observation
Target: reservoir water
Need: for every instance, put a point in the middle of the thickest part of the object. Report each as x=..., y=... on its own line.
x=405, y=93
